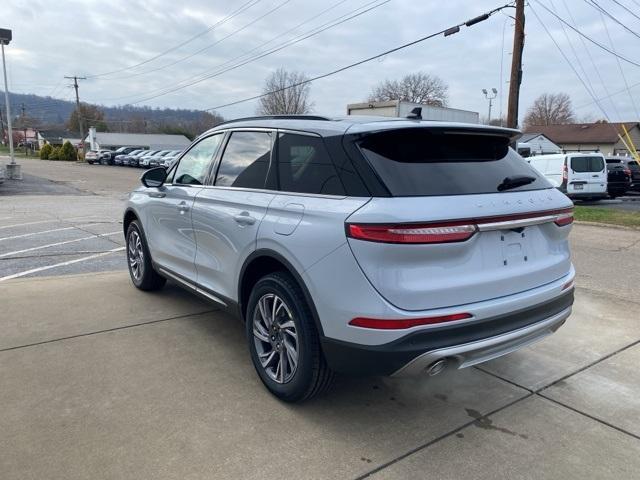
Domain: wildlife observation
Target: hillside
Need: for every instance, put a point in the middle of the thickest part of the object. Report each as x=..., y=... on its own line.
x=51, y=112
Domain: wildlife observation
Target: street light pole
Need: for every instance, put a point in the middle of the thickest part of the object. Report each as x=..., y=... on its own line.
x=13, y=169
x=488, y=96
x=6, y=100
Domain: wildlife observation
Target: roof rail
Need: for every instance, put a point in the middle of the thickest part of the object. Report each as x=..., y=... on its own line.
x=277, y=117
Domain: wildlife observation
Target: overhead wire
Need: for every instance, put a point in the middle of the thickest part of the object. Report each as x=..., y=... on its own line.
x=238, y=11
x=449, y=30
x=311, y=33
x=597, y=6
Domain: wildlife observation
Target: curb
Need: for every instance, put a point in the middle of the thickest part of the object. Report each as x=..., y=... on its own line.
x=606, y=225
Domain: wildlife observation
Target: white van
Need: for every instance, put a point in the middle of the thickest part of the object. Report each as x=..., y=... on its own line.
x=578, y=175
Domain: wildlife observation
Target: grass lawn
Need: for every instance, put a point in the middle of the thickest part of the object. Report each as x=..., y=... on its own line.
x=607, y=215
x=18, y=152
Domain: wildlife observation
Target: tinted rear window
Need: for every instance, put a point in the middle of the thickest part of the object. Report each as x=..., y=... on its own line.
x=423, y=162
x=587, y=164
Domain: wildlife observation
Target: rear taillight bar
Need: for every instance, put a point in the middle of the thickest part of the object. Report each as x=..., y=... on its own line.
x=402, y=324
x=454, y=230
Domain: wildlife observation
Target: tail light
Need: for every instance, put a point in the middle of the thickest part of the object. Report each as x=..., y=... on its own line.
x=564, y=219
x=565, y=173
x=412, y=233
x=627, y=171
x=454, y=230
x=402, y=324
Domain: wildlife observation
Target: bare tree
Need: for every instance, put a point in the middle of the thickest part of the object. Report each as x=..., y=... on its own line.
x=286, y=93
x=416, y=87
x=550, y=109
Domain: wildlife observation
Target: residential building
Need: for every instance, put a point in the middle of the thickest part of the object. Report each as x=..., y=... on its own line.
x=539, y=144
x=153, y=141
x=590, y=137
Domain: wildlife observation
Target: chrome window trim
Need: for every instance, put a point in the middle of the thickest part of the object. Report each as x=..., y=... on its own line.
x=275, y=192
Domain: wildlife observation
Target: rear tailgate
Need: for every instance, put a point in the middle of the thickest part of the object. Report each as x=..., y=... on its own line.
x=468, y=220
x=492, y=263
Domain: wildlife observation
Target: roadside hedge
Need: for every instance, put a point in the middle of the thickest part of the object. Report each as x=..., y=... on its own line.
x=55, y=153
x=67, y=152
x=45, y=151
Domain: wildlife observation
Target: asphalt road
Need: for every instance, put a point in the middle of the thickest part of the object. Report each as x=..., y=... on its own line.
x=629, y=203
x=99, y=380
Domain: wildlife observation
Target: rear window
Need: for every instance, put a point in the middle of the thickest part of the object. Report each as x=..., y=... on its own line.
x=423, y=162
x=633, y=165
x=587, y=164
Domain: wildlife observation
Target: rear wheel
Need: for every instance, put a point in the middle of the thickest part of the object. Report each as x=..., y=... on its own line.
x=141, y=269
x=283, y=340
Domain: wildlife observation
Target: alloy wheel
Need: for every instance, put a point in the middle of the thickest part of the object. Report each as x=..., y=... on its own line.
x=275, y=338
x=136, y=255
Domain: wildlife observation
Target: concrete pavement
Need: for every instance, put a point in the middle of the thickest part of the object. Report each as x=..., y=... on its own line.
x=99, y=380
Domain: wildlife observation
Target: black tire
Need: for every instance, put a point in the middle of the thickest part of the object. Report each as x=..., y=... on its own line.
x=312, y=375
x=139, y=261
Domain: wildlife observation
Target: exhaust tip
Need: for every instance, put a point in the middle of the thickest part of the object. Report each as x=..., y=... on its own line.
x=436, y=367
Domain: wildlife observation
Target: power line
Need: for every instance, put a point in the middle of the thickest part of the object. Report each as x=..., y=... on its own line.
x=586, y=36
x=624, y=77
x=197, y=52
x=624, y=90
x=236, y=12
x=446, y=32
x=627, y=8
x=216, y=73
x=595, y=4
x=567, y=59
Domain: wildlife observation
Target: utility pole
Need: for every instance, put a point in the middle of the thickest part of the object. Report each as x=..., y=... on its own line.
x=24, y=129
x=78, y=112
x=1, y=127
x=516, y=66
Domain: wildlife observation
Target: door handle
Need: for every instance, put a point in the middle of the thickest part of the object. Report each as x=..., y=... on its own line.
x=183, y=207
x=157, y=194
x=244, y=218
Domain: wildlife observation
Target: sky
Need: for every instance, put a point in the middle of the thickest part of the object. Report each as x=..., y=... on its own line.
x=122, y=47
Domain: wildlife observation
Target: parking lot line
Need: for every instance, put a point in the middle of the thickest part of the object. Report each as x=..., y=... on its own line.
x=62, y=264
x=25, y=224
x=16, y=252
x=36, y=233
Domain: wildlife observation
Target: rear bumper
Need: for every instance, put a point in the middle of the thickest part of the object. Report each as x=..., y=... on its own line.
x=580, y=195
x=464, y=345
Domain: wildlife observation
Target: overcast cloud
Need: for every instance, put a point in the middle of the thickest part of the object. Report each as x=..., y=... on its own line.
x=66, y=37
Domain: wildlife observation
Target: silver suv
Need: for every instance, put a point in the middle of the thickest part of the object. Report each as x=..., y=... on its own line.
x=369, y=246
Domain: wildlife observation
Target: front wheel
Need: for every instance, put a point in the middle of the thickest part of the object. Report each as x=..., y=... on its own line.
x=141, y=269
x=283, y=340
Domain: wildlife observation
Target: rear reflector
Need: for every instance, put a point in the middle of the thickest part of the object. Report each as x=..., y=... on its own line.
x=385, y=324
x=411, y=233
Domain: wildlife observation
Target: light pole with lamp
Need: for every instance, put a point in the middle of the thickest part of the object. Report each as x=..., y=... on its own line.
x=13, y=169
x=488, y=96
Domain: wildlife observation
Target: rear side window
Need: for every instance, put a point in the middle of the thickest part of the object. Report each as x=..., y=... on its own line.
x=587, y=164
x=424, y=162
x=304, y=166
x=245, y=161
x=633, y=165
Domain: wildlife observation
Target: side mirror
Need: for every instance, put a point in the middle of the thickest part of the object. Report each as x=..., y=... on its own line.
x=154, y=177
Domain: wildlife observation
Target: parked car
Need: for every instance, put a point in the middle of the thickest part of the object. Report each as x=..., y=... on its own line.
x=1, y=174
x=169, y=159
x=634, y=167
x=363, y=246
x=91, y=157
x=119, y=160
x=581, y=176
x=618, y=176
x=110, y=159
x=134, y=160
x=151, y=160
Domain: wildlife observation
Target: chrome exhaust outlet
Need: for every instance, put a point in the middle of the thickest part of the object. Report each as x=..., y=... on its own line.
x=436, y=367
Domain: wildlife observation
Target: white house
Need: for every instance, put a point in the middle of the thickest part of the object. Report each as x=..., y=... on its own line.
x=152, y=141
x=539, y=143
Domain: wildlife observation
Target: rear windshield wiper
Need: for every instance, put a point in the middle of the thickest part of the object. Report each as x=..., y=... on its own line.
x=515, y=181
